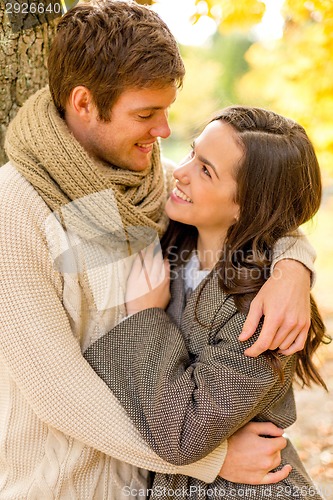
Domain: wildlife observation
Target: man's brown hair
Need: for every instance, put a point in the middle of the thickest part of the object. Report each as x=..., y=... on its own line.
x=110, y=46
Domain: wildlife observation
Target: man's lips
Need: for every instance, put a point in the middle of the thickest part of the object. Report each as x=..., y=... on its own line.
x=145, y=147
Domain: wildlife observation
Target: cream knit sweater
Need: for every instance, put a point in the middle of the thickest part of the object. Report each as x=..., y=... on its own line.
x=63, y=435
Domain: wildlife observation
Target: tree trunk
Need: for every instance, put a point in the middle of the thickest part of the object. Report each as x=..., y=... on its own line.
x=23, y=61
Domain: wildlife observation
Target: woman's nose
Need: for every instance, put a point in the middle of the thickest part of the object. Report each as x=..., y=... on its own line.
x=181, y=173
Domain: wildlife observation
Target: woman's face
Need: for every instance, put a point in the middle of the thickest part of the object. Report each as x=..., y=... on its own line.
x=205, y=183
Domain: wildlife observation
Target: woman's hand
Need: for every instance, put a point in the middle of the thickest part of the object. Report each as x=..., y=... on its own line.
x=148, y=284
x=251, y=456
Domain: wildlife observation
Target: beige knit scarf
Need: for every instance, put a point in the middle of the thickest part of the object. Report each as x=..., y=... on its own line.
x=41, y=147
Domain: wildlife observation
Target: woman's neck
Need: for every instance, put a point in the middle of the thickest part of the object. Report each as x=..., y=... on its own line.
x=209, y=250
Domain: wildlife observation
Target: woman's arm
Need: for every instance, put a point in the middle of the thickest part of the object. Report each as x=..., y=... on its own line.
x=183, y=408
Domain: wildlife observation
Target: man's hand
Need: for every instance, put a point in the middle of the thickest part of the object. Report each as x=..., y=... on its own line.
x=284, y=300
x=148, y=284
x=251, y=457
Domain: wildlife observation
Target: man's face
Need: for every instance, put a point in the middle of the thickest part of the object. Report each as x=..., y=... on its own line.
x=138, y=118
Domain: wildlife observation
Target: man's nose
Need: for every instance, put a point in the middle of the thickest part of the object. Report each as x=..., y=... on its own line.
x=161, y=129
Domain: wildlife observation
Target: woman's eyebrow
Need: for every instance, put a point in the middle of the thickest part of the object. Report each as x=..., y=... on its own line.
x=207, y=162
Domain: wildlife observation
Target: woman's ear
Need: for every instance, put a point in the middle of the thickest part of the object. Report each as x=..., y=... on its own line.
x=236, y=217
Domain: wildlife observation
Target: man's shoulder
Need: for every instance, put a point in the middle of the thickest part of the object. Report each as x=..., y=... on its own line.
x=7, y=170
x=17, y=194
x=10, y=177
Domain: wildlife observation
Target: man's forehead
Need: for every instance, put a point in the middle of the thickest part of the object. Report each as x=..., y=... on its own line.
x=141, y=99
x=152, y=108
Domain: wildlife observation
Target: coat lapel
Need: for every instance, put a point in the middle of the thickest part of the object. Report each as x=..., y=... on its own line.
x=203, y=313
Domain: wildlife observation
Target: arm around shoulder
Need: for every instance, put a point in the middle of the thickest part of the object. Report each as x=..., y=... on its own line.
x=298, y=248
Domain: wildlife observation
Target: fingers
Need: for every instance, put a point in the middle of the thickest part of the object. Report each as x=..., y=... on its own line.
x=146, y=273
x=264, y=340
x=265, y=429
x=153, y=266
x=296, y=346
x=289, y=337
x=296, y=339
x=137, y=284
x=277, y=444
x=275, y=477
x=252, y=321
x=289, y=332
x=166, y=265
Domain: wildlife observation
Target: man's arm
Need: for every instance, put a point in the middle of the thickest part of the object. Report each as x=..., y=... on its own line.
x=42, y=356
x=284, y=300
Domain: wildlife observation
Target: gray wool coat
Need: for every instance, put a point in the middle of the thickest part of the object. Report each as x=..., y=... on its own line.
x=184, y=380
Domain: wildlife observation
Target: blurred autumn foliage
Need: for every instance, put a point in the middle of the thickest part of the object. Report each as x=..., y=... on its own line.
x=292, y=75
x=295, y=74
x=231, y=15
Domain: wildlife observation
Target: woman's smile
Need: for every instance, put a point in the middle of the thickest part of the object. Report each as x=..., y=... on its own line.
x=179, y=196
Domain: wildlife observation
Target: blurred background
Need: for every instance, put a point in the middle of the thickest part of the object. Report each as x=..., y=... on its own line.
x=270, y=53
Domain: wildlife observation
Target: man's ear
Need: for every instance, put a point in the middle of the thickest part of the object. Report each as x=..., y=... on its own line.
x=81, y=102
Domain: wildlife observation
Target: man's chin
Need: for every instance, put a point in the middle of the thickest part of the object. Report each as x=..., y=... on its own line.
x=140, y=166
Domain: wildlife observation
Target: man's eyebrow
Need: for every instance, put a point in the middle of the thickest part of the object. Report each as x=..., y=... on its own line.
x=148, y=108
x=153, y=108
x=206, y=162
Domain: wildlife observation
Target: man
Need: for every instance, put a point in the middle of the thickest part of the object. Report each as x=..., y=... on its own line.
x=83, y=187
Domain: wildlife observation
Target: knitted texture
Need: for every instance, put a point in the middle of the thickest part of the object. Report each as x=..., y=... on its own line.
x=41, y=147
x=59, y=423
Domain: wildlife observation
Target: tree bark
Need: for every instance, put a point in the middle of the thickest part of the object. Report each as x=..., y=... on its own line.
x=23, y=62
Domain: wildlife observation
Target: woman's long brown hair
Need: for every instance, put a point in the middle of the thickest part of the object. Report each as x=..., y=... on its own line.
x=278, y=189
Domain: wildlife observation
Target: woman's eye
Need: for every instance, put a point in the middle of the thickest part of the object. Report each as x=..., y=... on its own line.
x=206, y=171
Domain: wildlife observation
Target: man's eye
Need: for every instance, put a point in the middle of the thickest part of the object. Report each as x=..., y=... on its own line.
x=145, y=117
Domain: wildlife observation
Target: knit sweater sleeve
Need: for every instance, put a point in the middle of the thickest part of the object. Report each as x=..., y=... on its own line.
x=41, y=354
x=298, y=248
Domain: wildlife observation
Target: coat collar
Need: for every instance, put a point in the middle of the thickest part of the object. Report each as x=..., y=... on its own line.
x=205, y=310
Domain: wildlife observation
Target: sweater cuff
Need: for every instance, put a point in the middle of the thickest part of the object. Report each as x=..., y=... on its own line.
x=208, y=467
x=297, y=248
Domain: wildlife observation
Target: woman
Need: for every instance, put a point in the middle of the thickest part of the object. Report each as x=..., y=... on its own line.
x=252, y=177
